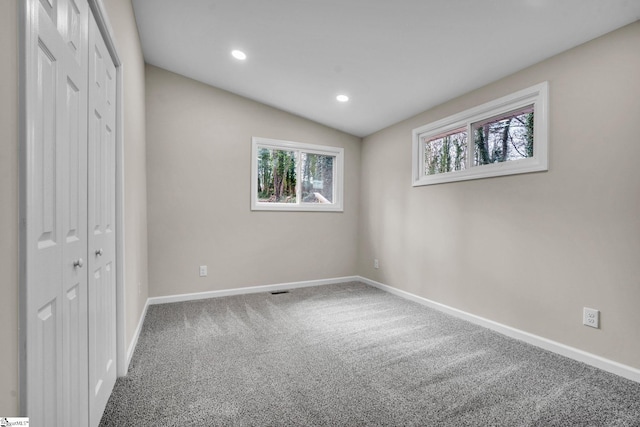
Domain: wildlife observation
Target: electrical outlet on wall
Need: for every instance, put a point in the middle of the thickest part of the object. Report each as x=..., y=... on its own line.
x=376, y=264
x=203, y=271
x=591, y=317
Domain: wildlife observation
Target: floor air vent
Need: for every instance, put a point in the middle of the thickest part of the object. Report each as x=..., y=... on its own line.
x=279, y=292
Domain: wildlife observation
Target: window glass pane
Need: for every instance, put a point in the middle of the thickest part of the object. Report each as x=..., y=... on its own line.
x=317, y=178
x=276, y=176
x=445, y=153
x=504, y=138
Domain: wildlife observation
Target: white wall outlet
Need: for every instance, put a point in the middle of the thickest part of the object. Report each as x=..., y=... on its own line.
x=203, y=271
x=591, y=317
x=376, y=264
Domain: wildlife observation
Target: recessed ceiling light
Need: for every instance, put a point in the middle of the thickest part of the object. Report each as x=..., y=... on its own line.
x=238, y=54
x=342, y=98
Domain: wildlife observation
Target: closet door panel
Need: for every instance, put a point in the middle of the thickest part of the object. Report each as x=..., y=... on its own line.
x=102, y=247
x=73, y=23
x=55, y=212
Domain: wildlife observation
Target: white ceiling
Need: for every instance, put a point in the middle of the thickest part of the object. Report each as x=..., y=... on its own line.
x=393, y=58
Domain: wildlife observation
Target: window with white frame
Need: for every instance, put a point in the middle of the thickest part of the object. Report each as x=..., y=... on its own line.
x=502, y=137
x=292, y=176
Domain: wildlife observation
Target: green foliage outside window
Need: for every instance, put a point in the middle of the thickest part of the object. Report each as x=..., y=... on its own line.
x=277, y=176
x=495, y=141
x=446, y=153
x=505, y=139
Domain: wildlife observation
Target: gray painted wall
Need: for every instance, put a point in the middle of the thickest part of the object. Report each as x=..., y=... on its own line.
x=198, y=155
x=528, y=251
x=9, y=210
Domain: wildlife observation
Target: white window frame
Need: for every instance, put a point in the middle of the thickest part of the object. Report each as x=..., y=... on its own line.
x=535, y=95
x=324, y=150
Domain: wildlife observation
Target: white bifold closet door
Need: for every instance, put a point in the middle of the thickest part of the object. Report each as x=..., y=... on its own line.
x=68, y=216
x=102, y=217
x=56, y=210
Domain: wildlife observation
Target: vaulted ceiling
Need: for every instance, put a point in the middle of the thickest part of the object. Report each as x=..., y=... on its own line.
x=392, y=58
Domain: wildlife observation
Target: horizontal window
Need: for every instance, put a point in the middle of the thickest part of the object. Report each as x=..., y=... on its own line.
x=502, y=137
x=445, y=153
x=292, y=176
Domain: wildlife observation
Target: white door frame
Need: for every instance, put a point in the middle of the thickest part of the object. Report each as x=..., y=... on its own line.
x=100, y=15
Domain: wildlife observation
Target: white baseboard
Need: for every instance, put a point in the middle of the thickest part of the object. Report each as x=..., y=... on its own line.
x=249, y=290
x=611, y=366
x=136, y=335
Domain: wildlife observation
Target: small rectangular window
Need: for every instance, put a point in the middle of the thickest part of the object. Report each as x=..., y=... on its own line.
x=276, y=176
x=502, y=137
x=445, y=153
x=317, y=177
x=293, y=176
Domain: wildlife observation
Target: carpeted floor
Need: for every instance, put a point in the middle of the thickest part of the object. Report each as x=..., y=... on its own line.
x=350, y=355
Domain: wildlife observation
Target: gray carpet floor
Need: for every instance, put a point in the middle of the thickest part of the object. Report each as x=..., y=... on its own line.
x=350, y=355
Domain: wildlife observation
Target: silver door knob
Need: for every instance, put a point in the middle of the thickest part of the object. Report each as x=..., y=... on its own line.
x=78, y=263
x=99, y=252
